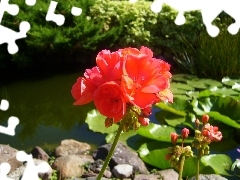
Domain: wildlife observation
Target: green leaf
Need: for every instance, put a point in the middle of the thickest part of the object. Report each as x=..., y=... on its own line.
x=182, y=77
x=189, y=168
x=235, y=164
x=177, y=107
x=220, y=163
x=230, y=82
x=203, y=83
x=222, y=109
x=181, y=86
x=155, y=156
x=96, y=122
x=156, y=132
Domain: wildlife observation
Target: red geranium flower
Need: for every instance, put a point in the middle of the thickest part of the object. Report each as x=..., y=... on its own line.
x=109, y=101
x=143, y=78
x=110, y=65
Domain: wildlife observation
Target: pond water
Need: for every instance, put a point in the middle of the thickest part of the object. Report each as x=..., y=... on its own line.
x=46, y=112
x=47, y=115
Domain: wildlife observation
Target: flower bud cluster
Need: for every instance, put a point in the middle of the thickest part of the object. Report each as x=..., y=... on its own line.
x=205, y=136
x=176, y=153
x=201, y=142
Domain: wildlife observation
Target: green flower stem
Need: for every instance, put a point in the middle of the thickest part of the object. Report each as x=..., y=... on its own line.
x=181, y=167
x=120, y=128
x=197, y=170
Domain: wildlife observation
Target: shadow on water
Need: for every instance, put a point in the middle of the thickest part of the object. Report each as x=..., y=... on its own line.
x=44, y=106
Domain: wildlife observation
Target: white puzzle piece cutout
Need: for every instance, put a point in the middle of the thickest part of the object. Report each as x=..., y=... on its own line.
x=4, y=170
x=209, y=10
x=7, y=35
x=12, y=121
x=31, y=171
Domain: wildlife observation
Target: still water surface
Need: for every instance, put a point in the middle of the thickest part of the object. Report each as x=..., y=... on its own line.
x=46, y=113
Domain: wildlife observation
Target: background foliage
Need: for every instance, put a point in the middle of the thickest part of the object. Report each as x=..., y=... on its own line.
x=108, y=24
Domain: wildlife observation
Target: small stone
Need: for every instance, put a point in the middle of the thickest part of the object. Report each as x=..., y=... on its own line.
x=147, y=177
x=8, y=155
x=39, y=153
x=169, y=174
x=72, y=147
x=122, y=171
x=209, y=177
x=71, y=165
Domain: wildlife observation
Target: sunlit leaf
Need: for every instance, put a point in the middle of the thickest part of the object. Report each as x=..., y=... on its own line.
x=181, y=86
x=155, y=156
x=203, y=83
x=178, y=107
x=156, y=132
x=96, y=122
x=230, y=82
x=182, y=77
x=220, y=163
x=222, y=109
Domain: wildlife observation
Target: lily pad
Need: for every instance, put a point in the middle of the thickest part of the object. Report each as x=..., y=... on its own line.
x=230, y=82
x=96, y=123
x=223, y=109
x=183, y=77
x=156, y=132
x=155, y=155
x=220, y=163
x=181, y=86
x=204, y=83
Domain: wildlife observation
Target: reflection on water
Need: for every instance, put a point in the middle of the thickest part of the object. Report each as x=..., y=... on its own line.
x=46, y=113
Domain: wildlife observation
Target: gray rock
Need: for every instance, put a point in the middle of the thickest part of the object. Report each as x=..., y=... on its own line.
x=169, y=174
x=8, y=155
x=147, y=177
x=43, y=176
x=17, y=173
x=122, y=171
x=39, y=153
x=122, y=155
x=72, y=147
x=209, y=177
x=71, y=165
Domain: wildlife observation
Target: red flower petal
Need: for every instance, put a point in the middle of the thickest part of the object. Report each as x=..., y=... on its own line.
x=82, y=91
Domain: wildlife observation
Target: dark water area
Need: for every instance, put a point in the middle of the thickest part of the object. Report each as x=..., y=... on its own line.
x=42, y=101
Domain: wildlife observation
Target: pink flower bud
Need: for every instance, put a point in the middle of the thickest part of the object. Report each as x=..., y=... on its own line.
x=205, y=118
x=143, y=120
x=174, y=137
x=197, y=123
x=147, y=111
x=185, y=133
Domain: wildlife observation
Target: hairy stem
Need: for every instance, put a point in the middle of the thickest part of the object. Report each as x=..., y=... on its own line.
x=120, y=128
x=181, y=167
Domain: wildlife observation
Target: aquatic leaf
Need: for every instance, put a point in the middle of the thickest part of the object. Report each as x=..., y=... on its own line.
x=182, y=77
x=155, y=156
x=156, y=132
x=220, y=163
x=175, y=91
x=204, y=83
x=96, y=122
x=230, y=82
x=236, y=164
x=182, y=97
x=222, y=109
x=178, y=107
x=181, y=86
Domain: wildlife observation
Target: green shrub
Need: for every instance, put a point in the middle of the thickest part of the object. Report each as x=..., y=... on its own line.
x=109, y=24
